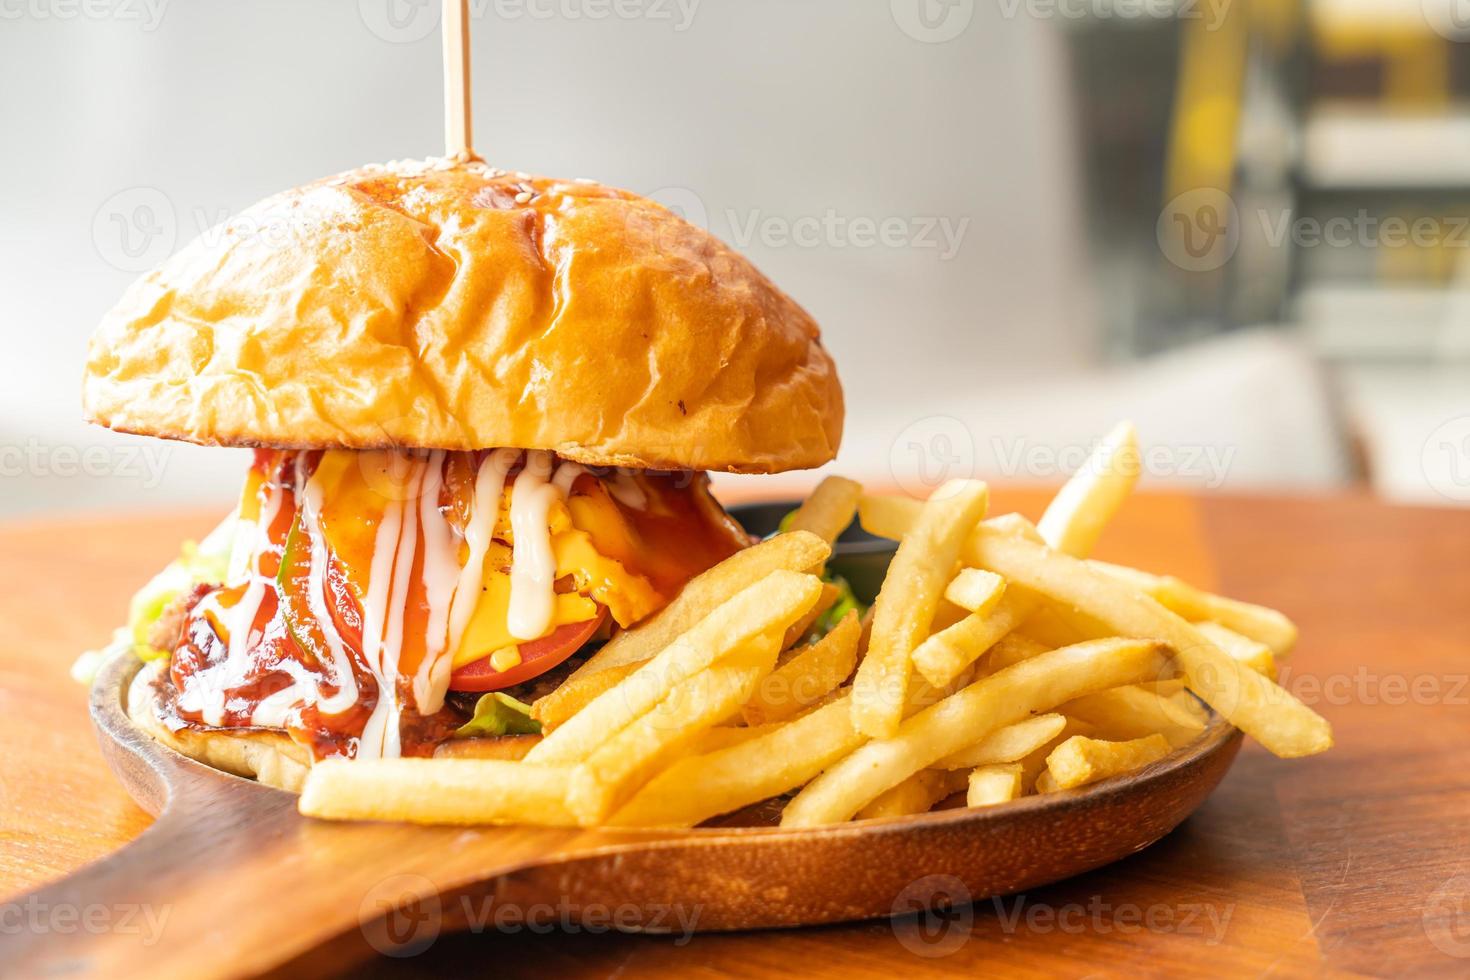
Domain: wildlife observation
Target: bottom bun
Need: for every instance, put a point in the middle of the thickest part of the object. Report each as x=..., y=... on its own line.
x=266, y=755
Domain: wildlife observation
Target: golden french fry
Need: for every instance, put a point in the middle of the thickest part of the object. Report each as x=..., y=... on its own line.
x=1260, y=623
x=1256, y=705
x=888, y=516
x=699, y=787
x=1253, y=653
x=1049, y=628
x=813, y=673
x=1081, y=760
x=1189, y=705
x=944, y=654
x=917, y=794
x=568, y=699
x=437, y=791
x=611, y=774
x=798, y=630
x=724, y=736
x=1012, y=649
x=798, y=551
x=1076, y=517
x=770, y=605
x=829, y=509
x=1133, y=712
x=1008, y=744
x=975, y=591
x=1014, y=524
x=989, y=785
x=1014, y=694
x=893, y=517
x=1034, y=765
x=904, y=610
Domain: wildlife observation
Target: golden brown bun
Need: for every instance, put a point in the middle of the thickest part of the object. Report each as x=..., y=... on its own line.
x=446, y=306
x=266, y=755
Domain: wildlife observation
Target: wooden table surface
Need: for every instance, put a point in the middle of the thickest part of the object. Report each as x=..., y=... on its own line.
x=1355, y=862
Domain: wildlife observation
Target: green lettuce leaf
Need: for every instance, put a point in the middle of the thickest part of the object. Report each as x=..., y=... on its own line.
x=499, y=714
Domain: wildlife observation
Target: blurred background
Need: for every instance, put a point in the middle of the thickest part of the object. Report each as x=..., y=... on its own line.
x=1244, y=224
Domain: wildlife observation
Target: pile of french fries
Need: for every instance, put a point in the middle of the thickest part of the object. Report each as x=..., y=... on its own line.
x=997, y=661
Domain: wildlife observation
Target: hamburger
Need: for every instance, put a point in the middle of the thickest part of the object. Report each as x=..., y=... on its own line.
x=483, y=408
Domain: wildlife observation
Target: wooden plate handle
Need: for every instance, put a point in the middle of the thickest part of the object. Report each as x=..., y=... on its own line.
x=231, y=880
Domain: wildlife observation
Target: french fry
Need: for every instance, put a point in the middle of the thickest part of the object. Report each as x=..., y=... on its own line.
x=1079, y=513
x=771, y=604
x=1047, y=627
x=904, y=610
x=944, y=654
x=724, y=736
x=1253, y=653
x=1012, y=649
x=829, y=509
x=611, y=774
x=975, y=591
x=1256, y=705
x=1034, y=764
x=917, y=794
x=437, y=791
x=1132, y=712
x=798, y=630
x=696, y=788
x=1081, y=760
x=1008, y=744
x=989, y=785
x=701, y=595
x=813, y=673
x=568, y=699
x=892, y=517
x=1260, y=623
x=1031, y=687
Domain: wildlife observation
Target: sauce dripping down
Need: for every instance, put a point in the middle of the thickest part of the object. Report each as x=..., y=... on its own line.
x=357, y=578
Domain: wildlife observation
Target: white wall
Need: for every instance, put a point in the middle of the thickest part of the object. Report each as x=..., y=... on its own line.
x=769, y=111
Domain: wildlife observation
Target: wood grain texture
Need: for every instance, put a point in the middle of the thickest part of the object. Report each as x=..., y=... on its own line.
x=1358, y=861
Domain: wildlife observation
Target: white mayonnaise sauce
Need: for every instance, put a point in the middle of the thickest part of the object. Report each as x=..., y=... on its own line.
x=441, y=577
x=484, y=509
x=626, y=490
x=309, y=492
x=239, y=623
x=533, y=565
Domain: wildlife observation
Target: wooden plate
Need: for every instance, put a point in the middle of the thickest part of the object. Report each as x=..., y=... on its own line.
x=231, y=880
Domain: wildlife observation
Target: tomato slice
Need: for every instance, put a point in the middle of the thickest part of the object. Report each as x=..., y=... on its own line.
x=537, y=657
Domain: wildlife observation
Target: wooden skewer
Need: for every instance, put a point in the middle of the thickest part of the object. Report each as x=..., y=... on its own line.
x=458, y=141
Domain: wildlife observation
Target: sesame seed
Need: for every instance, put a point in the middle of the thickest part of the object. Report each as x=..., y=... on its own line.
x=523, y=198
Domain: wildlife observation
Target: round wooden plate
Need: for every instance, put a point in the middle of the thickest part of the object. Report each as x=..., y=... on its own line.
x=238, y=883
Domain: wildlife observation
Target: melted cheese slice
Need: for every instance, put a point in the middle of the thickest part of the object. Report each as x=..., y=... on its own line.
x=358, y=488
